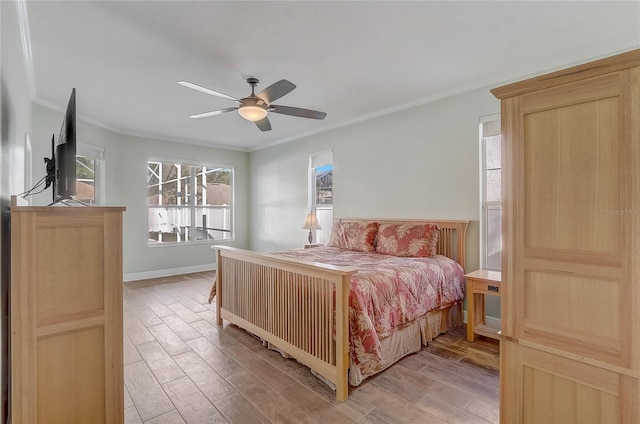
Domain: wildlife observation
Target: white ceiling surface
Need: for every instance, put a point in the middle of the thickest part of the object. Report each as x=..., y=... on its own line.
x=353, y=60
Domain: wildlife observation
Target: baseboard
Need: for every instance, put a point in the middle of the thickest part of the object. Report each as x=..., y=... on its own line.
x=491, y=321
x=135, y=276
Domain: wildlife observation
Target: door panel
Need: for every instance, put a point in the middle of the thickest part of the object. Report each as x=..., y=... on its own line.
x=572, y=175
x=571, y=214
x=555, y=389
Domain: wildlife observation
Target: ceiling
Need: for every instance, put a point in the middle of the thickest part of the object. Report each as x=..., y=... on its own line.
x=352, y=60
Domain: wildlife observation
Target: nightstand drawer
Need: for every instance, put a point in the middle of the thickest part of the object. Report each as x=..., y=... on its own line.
x=486, y=287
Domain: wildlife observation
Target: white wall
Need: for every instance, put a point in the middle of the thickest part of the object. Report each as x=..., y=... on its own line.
x=16, y=103
x=15, y=119
x=417, y=163
x=126, y=185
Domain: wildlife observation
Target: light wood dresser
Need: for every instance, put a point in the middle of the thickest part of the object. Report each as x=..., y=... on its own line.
x=66, y=315
x=570, y=349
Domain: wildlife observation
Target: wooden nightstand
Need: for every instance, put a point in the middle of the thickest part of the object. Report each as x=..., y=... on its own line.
x=479, y=284
x=310, y=245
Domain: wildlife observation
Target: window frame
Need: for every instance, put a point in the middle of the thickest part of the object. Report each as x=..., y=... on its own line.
x=97, y=154
x=318, y=160
x=192, y=205
x=486, y=205
x=28, y=166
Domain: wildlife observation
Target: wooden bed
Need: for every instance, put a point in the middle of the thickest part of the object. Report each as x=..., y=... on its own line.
x=301, y=308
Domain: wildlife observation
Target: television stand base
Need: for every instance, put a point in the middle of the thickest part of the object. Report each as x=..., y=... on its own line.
x=68, y=201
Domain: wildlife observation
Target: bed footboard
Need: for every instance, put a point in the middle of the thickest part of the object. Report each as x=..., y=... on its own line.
x=291, y=305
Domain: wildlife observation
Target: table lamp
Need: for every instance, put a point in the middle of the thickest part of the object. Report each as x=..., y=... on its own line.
x=311, y=223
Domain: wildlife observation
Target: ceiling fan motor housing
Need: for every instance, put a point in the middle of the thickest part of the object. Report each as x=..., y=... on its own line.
x=253, y=82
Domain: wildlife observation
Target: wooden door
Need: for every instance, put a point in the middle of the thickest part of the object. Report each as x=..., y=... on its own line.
x=571, y=254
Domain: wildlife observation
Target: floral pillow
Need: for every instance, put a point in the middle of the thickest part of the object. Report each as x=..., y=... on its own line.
x=358, y=236
x=407, y=240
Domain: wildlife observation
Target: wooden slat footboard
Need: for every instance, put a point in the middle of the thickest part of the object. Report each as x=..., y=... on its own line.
x=290, y=304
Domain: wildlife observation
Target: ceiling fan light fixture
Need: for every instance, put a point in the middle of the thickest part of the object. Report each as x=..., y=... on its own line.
x=256, y=107
x=252, y=112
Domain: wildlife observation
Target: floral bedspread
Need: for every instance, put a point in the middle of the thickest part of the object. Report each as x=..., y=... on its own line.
x=387, y=293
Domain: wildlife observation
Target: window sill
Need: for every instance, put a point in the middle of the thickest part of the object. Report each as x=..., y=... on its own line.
x=189, y=243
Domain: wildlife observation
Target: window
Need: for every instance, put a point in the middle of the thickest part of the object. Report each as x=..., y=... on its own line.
x=321, y=193
x=90, y=174
x=86, y=179
x=324, y=186
x=491, y=193
x=189, y=203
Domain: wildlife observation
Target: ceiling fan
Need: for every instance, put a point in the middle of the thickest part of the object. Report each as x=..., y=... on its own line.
x=256, y=107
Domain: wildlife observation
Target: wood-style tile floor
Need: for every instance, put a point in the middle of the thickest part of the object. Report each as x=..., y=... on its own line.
x=180, y=367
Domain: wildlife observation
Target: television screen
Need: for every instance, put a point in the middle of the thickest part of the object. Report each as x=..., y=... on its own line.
x=64, y=186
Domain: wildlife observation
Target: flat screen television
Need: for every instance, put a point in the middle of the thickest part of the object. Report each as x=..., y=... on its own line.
x=61, y=169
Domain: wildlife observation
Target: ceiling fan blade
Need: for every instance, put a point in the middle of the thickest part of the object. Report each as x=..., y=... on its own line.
x=206, y=90
x=297, y=111
x=213, y=113
x=276, y=90
x=264, y=124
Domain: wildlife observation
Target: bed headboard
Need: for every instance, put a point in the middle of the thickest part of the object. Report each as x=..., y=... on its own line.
x=451, y=237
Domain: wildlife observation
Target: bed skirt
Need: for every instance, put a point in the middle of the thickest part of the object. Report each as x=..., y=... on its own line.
x=403, y=342
x=411, y=338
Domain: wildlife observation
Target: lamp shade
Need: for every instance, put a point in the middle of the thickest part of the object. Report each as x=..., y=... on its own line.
x=311, y=223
